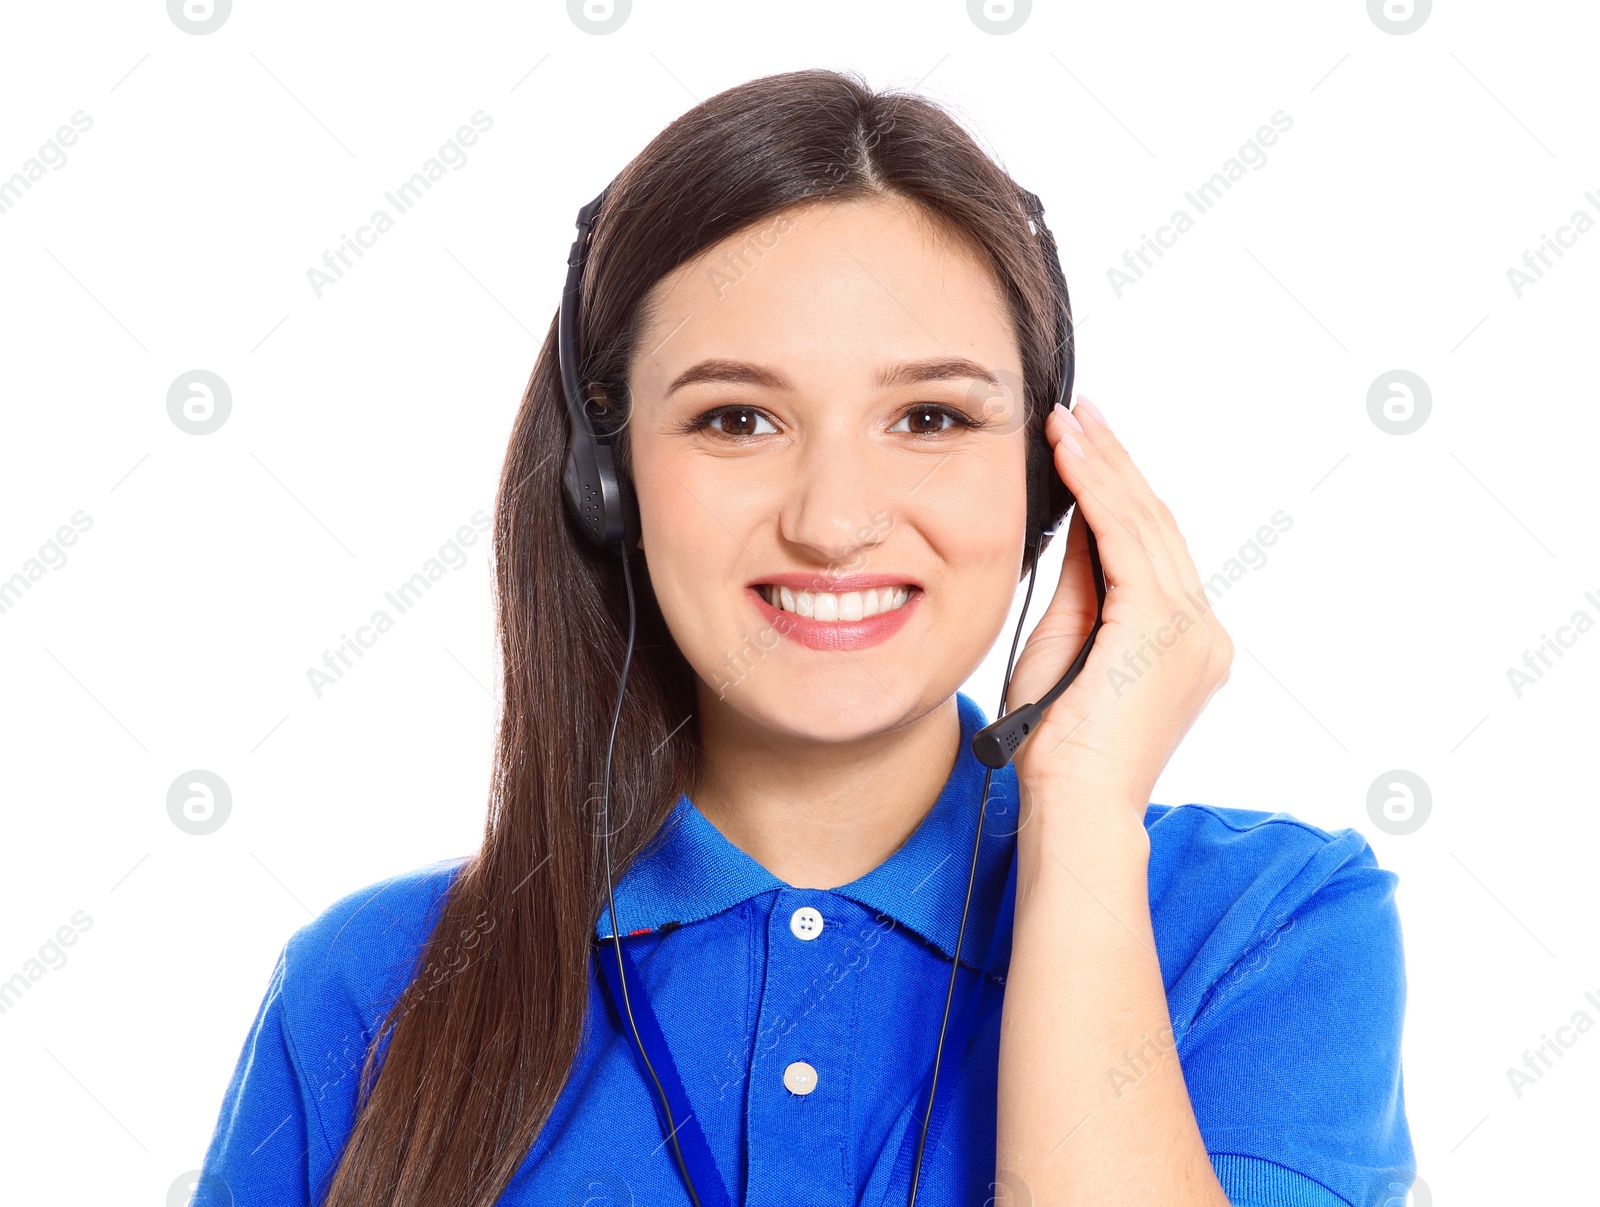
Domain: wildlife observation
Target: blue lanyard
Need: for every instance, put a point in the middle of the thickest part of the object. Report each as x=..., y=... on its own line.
x=708, y=1182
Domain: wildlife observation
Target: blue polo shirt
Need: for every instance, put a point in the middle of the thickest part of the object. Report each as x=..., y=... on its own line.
x=1279, y=946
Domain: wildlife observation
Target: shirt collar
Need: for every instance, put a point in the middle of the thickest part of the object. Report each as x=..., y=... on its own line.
x=692, y=872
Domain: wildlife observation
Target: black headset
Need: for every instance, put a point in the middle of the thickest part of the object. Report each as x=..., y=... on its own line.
x=600, y=498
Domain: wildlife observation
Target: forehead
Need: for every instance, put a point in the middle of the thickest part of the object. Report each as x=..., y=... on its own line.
x=836, y=283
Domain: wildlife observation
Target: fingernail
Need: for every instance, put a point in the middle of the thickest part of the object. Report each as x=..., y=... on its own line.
x=1066, y=439
x=1072, y=420
x=1094, y=411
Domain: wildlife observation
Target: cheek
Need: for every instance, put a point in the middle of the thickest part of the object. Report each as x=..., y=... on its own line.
x=694, y=566
x=977, y=527
x=983, y=561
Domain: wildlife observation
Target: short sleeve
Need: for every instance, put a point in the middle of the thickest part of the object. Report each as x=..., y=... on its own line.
x=258, y=1154
x=1293, y=1059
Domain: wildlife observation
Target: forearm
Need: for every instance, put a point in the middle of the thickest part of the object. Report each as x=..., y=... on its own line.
x=1092, y=1103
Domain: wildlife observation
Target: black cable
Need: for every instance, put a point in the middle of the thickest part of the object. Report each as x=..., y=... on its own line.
x=611, y=899
x=972, y=875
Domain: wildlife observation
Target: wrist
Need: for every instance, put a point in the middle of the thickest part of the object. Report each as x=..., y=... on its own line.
x=1084, y=802
x=1082, y=826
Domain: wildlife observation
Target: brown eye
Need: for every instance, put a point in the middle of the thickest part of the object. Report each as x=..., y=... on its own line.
x=739, y=421
x=928, y=420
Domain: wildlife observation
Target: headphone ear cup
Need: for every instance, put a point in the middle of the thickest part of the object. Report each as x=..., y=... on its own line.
x=575, y=488
x=589, y=486
x=628, y=504
x=1049, y=499
x=1061, y=500
x=1040, y=470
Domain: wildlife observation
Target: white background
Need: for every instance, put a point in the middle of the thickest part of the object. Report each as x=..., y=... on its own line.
x=369, y=424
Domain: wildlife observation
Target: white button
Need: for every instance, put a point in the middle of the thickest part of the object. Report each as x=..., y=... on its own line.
x=805, y=923
x=799, y=1078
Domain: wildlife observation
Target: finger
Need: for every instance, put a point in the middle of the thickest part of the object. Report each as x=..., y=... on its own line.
x=1098, y=435
x=1116, y=454
x=1112, y=509
x=1139, y=505
x=1123, y=552
x=1172, y=535
x=1073, y=606
x=1065, y=624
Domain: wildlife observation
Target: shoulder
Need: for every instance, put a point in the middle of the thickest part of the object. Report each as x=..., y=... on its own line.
x=1281, y=952
x=1227, y=882
x=1209, y=853
x=335, y=980
x=352, y=960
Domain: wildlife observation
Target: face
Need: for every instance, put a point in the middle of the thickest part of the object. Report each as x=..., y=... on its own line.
x=828, y=449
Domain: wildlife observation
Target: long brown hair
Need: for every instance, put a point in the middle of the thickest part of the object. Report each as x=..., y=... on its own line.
x=476, y=1057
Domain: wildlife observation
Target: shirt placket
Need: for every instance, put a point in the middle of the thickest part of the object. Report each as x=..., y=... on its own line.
x=798, y=1108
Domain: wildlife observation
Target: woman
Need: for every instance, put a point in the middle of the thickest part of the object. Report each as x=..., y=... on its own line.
x=823, y=333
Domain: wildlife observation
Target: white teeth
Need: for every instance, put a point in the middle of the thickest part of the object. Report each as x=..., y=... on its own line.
x=827, y=606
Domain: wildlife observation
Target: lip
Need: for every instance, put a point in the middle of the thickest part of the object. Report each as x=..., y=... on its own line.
x=835, y=634
x=835, y=584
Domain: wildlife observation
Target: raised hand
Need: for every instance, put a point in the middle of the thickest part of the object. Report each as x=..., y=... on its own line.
x=1158, y=658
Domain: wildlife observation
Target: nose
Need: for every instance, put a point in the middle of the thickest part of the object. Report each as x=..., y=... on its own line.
x=839, y=494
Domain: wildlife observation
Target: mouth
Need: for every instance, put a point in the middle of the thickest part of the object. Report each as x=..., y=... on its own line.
x=870, y=611
x=830, y=607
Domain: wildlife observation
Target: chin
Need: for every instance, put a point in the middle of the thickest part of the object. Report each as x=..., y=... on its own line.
x=820, y=706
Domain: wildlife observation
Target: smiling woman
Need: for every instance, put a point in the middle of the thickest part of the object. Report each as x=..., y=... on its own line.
x=828, y=484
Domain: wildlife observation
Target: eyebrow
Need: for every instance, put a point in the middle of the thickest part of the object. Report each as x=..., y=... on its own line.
x=914, y=372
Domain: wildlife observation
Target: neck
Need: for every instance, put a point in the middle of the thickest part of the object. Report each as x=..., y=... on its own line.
x=819, y=814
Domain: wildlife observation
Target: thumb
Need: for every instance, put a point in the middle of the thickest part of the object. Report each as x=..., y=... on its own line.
x=1066, y=621
x=1073, y=606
